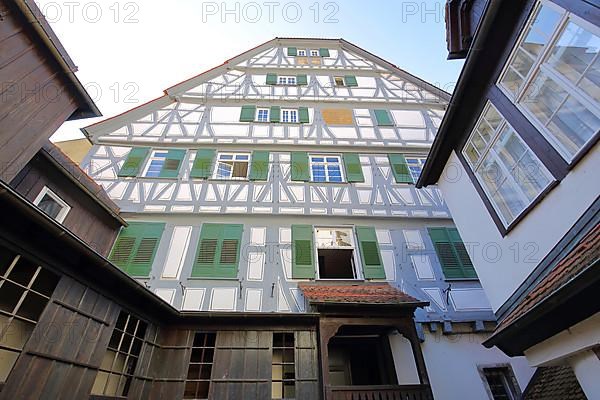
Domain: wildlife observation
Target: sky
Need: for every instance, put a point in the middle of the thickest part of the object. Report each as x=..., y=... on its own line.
x=128, y=52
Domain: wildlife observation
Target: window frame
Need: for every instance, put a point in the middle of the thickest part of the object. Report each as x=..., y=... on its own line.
x=494, y=136
x=509, y=376
x=215, y=172
x=152, y=157
x=65, y=208
x=291, y=112
x=420, y=162
x=288, y=80
x=257, y=116
x=316, y=51
x=325, y=163
x=283, y=363
x=335, y=81
x=356, y=258
x=540, y=67
x=302, y=53
x=203, y=363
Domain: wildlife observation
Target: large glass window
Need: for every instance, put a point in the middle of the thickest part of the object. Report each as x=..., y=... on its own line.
x=554, y=77
x=232, y=166
x=326, y=168
x=119, y=362
x=197, y=384
x=25, y=290
x=510, y=173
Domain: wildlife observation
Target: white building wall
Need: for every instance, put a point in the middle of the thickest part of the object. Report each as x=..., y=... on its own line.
x=452, y=365
x=503, y=263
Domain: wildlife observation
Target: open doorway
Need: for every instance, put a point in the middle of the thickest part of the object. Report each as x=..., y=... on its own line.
x=336, y=253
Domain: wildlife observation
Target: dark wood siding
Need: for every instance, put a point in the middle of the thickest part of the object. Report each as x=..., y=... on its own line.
x=86, y=219
x=33, y=92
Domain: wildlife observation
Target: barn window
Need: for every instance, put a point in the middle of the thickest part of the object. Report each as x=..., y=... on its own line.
x=26, y=289
x=119, y=362
x=197, y=383
x=50, y=203
x=283, y=367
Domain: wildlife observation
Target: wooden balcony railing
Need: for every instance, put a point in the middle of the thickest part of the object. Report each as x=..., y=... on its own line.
x=380, y=392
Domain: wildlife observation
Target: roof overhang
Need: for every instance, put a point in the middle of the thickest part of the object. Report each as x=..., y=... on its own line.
x=49, y=41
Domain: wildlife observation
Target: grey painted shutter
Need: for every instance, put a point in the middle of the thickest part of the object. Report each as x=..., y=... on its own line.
x=259, y=166
x=203, y=163
x=248, y=113
x=370, y=254
x=134, y=162
x=353, y=168
x=303, y=266
x=172, y=163
x=400, y=168
x=271, y=79
x=300, y=171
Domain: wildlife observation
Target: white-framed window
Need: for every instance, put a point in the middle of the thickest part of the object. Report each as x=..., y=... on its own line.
x=155, y=163
x=326, y=168
x=553, y=76
x=501, y=383
x=289, y=115
x=511, y=174
x=314, y=53
x=50, y=203
x=232, y=166
x=301, y=53
x=339, y=81
x=336, y=253
x=415, y=165
x=262, y=115
x=287, y=80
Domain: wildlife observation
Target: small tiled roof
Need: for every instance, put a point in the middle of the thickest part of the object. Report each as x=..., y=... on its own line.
x=584, y=255
x=363, y=293
x=554, y=383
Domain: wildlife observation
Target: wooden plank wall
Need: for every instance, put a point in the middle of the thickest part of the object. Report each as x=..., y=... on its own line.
x=61, y=358
x=34, y=100
x=86, y=219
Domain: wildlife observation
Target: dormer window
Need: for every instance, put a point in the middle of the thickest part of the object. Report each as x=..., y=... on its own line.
x=51, y=204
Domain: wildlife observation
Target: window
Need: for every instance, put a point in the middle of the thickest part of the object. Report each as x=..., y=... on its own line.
x=283, y=366
x=335, y=253
x=510, y=173
x=197, y=384
x=501, y=384
x=452, y=253
x=339, y=81
x=155, y=164
x=290, y=116
x=26, y=289
x=301, y=53
x=554, y=77
x=287, y=80
x=415, y=165
x=324, y=168
x=314, y=53
x=119, y=362
x=262, y=115
x=232, y=166
x=51, y=204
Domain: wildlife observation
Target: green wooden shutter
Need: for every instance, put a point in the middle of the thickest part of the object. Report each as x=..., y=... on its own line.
x=383, y=118
x=324, y=52
x=275, y=114
x=218, y=252
x=303, y=248
x=452, y=253
x=172, y=163
x=134, y=162
x=303, y=115
x=299, y=166
x=353, y=168
x=271, y=79
x=202, y=167
x=136, y=246
x=369, y=251
x=301, y=80
x=259, y=166
x=400, y=168
x=248, y=113
x=350, y=80
x=292, y=51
